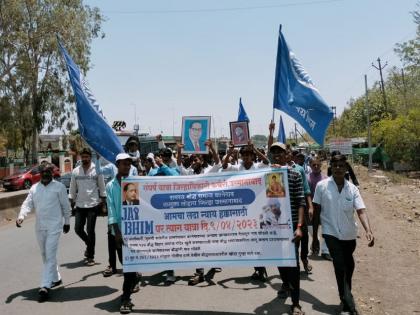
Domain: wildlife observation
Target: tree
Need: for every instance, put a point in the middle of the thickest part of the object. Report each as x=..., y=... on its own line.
x=400, y=137
x=410, y=51
x=34, y=90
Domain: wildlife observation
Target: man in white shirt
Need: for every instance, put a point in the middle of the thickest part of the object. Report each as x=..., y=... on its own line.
x=197, y=165
x=87, y=192
x=248, y=156
x=337, y=199
x=49, y=199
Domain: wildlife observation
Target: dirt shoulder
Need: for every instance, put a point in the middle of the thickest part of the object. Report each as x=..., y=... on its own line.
x=387, y=276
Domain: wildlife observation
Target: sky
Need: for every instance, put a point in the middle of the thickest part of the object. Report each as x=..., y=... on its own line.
x=161, y=60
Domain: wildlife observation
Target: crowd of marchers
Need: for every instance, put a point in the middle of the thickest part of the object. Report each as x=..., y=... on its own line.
x=323, y=205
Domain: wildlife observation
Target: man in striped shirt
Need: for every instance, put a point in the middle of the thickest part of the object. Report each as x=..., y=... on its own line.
x=291, y=275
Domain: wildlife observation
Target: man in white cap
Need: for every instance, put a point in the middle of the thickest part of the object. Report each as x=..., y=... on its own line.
x=52, y=209
x=113, y=199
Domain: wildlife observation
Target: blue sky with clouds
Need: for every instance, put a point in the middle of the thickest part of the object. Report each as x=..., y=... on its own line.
x=167, y=59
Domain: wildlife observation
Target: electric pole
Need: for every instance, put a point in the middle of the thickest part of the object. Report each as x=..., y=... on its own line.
x=380, y=68
x=368, y=125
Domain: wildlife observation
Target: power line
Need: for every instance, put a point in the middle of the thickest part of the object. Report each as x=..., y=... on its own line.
x=291, y=4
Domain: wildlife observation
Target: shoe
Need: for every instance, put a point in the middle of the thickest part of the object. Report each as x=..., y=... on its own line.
x=196, y=279
x=43, y=294
x=90, y=262
x=283, y=293
x=297, y=310
x=260, y=274
x=126, y=307
x=327, y=257
x=56, y=283
x=307, y=266
x=108, y=272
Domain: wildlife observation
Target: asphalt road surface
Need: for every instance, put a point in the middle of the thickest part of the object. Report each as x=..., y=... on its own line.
x=86, y=291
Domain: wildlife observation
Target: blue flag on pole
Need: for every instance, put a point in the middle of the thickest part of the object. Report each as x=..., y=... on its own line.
x=242, y=116
x=281, y=137
x=296, y=95
x=92, y=125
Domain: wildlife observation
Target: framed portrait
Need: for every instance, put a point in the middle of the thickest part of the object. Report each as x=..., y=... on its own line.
x=239, y=133
x=130, y=194
x=274, y=184
x=195, y=132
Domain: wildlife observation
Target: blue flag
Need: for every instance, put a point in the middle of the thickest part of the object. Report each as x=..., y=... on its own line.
x=242, y=116
x=296, y=95
x=92, y=125
x=281, y=137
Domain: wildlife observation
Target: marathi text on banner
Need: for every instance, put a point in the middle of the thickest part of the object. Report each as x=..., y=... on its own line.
x=224, y=219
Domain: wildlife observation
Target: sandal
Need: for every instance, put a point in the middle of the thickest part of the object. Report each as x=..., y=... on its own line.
x=126, y=307
x=43, y=294
x=108, y=272
x=259, y=274
x=196, y=279
x=297, y=310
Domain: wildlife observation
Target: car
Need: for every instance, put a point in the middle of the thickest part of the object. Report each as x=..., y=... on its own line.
x=26, y=177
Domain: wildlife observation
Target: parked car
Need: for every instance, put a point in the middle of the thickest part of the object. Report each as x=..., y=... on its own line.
x=25, y=178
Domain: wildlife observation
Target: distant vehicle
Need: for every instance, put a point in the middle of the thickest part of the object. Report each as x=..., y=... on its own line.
x=25, y=178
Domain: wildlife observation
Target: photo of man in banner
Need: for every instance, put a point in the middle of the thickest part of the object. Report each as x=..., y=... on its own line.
x=131, y=194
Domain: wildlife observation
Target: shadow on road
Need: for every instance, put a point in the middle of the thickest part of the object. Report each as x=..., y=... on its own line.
x=74, y=265
x=68, y=294
x=243, y=281
x=114, y=306
x=277, y=306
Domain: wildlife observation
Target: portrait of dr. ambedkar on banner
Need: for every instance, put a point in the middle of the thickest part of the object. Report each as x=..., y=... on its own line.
x=195, y=132
x=131, y=194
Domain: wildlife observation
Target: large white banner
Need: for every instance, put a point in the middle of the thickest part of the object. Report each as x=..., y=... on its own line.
x=215, y=220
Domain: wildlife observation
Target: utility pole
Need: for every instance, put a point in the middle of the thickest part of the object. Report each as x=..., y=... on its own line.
x=368, y=125
x=296, y=134
x=380, y=68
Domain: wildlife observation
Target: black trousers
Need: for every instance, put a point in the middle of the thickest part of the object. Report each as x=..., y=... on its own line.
x=290, y=276
x=130, y=278
x=304, y=243
x=86, y=216
x=112, y=251
x=342, y=255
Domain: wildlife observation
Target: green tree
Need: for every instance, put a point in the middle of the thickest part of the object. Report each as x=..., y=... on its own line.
x=34, y=90
x=400, y=137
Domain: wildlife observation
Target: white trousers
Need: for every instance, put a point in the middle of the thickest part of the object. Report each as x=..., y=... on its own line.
x=48, y=243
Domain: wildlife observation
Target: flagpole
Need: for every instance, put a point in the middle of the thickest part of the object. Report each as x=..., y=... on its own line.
x=277, y=74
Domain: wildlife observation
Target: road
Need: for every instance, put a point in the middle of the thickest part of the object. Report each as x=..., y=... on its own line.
x=86, y=291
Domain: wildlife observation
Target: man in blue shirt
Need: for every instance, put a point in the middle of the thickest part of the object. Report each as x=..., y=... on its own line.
x=113, y=200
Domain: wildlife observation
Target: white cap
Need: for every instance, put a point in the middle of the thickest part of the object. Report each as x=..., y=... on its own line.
x=122, y=156
x=150, y=156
